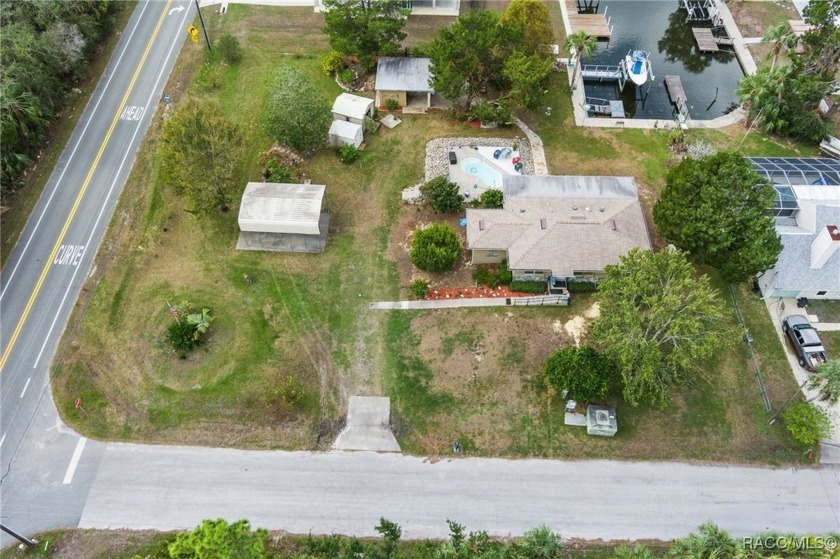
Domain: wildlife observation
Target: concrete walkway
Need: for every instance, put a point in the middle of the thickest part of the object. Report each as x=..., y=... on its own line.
x=537, y=149
x=368, y=426
x=468, y=302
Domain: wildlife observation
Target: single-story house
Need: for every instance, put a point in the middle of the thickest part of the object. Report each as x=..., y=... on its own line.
x=283, y=217
x=561, y=226
x=407, y=80
x=352, y=108
x=450, y=8
x=807, y=213
x=344, y=133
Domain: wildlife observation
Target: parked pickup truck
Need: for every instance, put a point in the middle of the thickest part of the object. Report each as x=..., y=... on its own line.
x=806, y=341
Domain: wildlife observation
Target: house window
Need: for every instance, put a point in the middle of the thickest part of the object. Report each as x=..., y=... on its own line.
x=821, y=293
x=492, y=254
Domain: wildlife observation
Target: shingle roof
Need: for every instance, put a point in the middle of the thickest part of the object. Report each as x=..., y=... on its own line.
x=562, y=223
x=403, y=74
x=793, y=270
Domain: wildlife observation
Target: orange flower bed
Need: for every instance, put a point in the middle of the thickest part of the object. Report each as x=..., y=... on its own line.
x=472, y=292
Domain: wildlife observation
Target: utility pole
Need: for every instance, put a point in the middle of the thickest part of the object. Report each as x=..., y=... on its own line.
x=794, y=395
x=203, y=27
x=22, y=539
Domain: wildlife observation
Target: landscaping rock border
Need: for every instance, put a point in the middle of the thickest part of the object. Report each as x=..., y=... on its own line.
x=437, y=160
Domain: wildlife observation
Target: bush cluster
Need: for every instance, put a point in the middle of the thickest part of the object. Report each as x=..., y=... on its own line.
x=435, y=248
x=442, y=195
x=492, y=276
x=534, y=287
x=348, y=154
x=582, y=286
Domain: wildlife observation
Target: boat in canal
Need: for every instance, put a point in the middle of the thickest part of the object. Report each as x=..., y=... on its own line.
x=638, y=66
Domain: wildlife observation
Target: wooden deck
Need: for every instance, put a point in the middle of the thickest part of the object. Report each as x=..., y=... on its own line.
x=677, y=94
x=596, y=25
x=705, y=40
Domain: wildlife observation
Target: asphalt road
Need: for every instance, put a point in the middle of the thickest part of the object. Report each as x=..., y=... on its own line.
x=45, y=271
x=53, y=478
x=176, y=487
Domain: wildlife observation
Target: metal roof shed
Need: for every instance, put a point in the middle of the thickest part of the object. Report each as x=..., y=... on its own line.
x=281, y=208
x=352, y=108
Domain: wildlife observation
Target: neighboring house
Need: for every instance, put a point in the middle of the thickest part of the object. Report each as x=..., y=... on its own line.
x=407, y=80
x=807, y=212
x=420, y=7
x=344, y=133
x=352, y=108
x=561, y=226
x=283, y=217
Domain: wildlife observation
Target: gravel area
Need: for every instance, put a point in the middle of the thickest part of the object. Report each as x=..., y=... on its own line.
x=437, y=152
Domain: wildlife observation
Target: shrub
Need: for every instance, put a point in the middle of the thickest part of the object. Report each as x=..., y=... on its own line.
x=277, y=172
x=298, y=115
x=419, y=288
x=582, y=371
x=228, y=46
x=208, y=77
x=332, y=62
x=346, y=76
x=492, y=276
x=582, y=286
x=807, y=423
x=288, y=395
x=189, y=327
x=534, y=287
x=442, y=195
x=492, y=199
x=435, y=248
x=348, y=153
x=392, y=104
x=482, y=110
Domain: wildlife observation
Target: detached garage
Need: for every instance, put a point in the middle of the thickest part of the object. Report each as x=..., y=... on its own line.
x=283, y=217
x=343, y=133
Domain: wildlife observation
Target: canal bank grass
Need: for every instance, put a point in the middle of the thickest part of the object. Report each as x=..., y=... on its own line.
x=20, y=204
x=287, y=349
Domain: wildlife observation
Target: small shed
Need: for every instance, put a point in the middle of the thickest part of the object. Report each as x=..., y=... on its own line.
x=405, y=79
x=283, y=217
x=600, y=420
x=344, y=133
x=352, y=108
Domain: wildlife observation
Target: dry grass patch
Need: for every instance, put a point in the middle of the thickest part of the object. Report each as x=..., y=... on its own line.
x=753, y=18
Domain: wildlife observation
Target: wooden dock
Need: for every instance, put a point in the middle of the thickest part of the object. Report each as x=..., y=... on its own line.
x=705, y=40
x=677, y=94
x=596, y=25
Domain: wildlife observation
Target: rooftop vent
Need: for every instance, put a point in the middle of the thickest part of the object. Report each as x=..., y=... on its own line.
x=481, y=225
x=543, y=223
x=613, y=225
x=601, y=209
x=588, y=209
x=574, y=208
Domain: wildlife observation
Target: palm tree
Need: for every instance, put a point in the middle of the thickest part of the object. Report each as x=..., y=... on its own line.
x=580, y=45
x=826, y=379
x=781, y=36
x=710, y=543
x=638, y=551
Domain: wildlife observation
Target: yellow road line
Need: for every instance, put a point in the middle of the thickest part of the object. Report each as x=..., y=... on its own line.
x=75, y=207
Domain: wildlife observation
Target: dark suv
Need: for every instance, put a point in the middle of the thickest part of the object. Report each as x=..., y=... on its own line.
x=806, y=341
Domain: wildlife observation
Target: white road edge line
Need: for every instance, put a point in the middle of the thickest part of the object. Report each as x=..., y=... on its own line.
x=69, y=159
x=25, y=386
x=3, y=439
x=108, y=197
x=74, y=462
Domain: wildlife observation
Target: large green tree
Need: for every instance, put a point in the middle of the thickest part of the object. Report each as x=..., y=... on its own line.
x=298, y=113
x=466, y=58
x=216, y=539
x=200, y=153
x=826, y=380
x=659, y=320
x=365, y=28
x=530, y=19
x=528, y=75
x=582, y=371
x=717, y=209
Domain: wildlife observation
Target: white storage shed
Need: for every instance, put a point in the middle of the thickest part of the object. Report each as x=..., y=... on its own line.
x=343, y=133
x=352, y=108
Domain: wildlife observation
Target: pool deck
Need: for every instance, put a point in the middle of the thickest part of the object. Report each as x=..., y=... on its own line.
x=471, y=185
x=579, y=95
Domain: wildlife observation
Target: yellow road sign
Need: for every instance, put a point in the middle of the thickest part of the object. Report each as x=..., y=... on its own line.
x=193, y=33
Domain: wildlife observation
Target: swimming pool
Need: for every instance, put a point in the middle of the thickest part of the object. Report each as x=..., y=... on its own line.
x=478, y=168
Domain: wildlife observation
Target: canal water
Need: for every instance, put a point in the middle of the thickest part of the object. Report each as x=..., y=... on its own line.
x=661, y=27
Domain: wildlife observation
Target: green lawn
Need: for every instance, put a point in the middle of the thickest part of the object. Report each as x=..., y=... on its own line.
x=287, y=349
